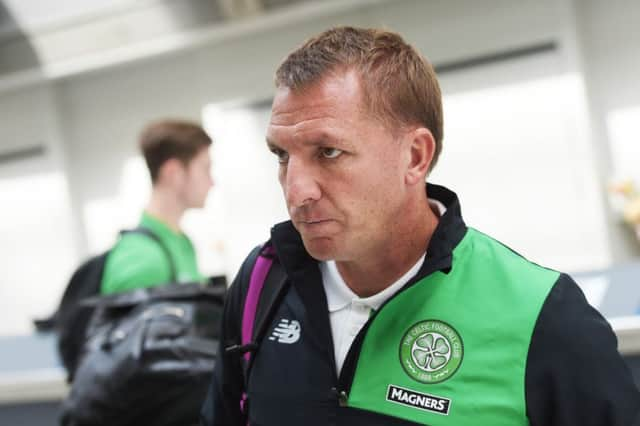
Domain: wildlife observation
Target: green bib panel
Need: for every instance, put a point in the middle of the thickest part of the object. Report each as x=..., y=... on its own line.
x=452, y=349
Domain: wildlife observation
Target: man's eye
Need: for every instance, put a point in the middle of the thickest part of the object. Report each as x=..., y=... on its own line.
x=330, y=153
x=282, y=155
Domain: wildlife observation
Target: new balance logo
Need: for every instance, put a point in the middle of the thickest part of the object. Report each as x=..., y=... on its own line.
x=287, y=331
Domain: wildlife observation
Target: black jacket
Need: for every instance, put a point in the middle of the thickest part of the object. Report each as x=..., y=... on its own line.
x=574, y=374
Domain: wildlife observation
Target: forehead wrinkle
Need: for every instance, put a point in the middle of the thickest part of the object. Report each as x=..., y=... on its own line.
x=317, y=137
x=298, y=114
x=316, y=125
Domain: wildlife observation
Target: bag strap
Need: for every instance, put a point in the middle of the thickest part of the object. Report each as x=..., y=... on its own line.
x=256, y=285
x=266, y=286
x=141, y=230
x=262, y=297
x=270, y=298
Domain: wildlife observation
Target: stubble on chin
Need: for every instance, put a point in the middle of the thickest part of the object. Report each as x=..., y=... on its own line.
x=321, y=249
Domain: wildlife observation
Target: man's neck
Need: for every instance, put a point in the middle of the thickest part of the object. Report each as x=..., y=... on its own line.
x=378, y=271
x=163, y=205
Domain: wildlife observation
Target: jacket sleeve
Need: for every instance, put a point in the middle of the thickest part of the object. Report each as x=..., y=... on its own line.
x=222, y=404
x=575, y=375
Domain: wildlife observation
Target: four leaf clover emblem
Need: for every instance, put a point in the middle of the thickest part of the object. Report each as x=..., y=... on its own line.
x=431, y=351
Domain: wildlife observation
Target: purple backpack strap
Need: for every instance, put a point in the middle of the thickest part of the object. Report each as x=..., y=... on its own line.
x=256, y=283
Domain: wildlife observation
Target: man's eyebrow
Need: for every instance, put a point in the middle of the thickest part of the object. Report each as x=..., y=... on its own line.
x=322, y=139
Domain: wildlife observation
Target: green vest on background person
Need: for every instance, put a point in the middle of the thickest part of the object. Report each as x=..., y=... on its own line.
x=138, y=261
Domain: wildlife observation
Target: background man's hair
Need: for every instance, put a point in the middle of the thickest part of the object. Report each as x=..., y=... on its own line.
x=399, y=85
x=166, y=139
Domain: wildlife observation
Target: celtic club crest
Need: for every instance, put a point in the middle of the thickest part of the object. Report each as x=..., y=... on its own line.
x=431, y=351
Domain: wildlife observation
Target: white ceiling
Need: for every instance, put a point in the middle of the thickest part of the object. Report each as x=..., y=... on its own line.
x=34, y=15
x=54, y=39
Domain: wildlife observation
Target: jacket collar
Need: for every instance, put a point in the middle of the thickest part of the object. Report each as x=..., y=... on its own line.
x=447, y=235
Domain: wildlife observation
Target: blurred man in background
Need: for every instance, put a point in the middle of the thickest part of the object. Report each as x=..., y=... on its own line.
x=116, y=381
x=393, y=311
x=177, y=156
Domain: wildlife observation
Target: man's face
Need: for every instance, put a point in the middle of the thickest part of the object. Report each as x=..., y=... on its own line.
x=197, y=181
x=341, y=170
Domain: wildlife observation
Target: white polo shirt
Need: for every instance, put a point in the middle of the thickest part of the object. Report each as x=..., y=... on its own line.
x=347, y=311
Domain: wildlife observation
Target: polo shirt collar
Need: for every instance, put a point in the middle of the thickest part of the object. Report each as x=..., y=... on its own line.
x=339, y=295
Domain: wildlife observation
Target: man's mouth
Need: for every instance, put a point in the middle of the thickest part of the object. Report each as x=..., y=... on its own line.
x=313, y=221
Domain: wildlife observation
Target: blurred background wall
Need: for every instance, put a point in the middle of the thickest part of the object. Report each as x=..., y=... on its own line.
x=541, y=110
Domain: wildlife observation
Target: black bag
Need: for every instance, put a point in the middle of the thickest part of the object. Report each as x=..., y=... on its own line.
x=148, y=358
x=71, y=318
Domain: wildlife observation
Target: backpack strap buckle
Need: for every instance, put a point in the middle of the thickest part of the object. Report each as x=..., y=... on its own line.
x=241, y=349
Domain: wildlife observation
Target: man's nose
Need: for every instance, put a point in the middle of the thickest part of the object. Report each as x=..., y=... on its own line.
x=301, y=186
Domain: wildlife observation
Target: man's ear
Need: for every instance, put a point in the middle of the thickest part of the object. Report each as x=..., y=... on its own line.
x=171, y=171
x=422, y=147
